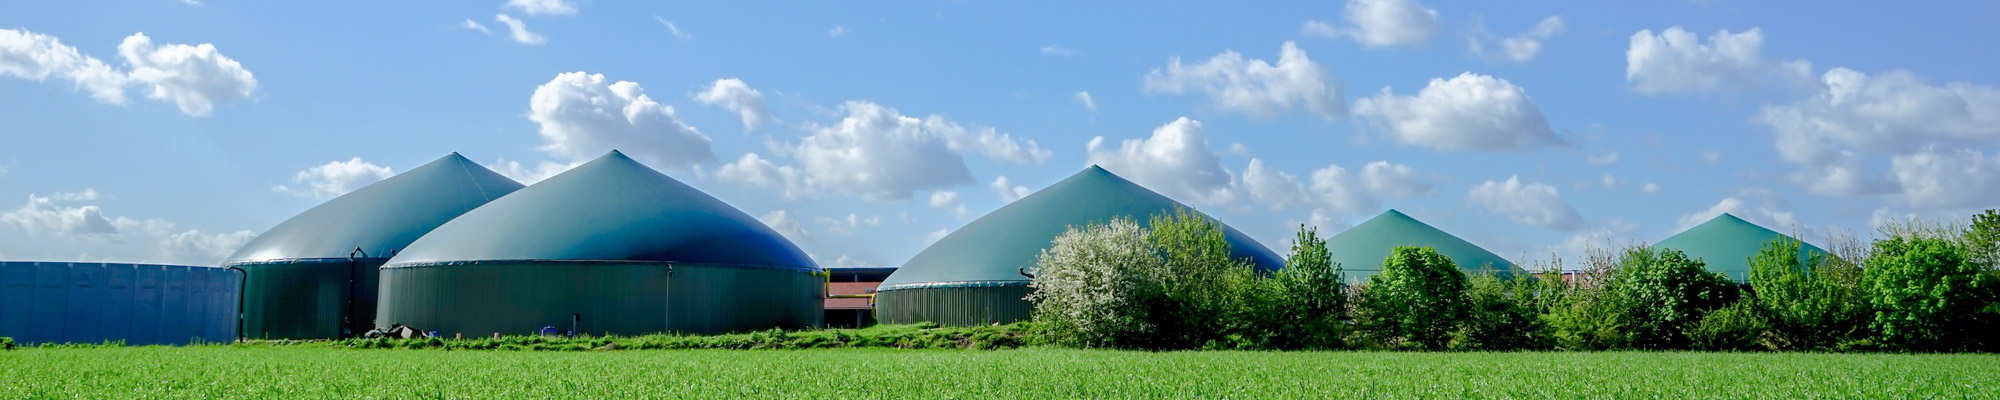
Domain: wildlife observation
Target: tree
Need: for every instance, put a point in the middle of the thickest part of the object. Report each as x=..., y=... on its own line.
x=1927, y=294
x=1093, y=286
x=1501, y=317
x=1811, y=302
x=1982, y=239
x=1418, y=300
x=1303, y=304
x=1206, y=292
x=1666, y=294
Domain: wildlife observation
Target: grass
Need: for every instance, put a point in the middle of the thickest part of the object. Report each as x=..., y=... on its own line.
x=250, y=371
x=913, y=336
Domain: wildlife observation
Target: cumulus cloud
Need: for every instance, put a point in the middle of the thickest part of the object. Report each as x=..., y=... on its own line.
x=1084, y=97
x=852, y=223
x=934, y=236
x=736, y=96
x=584, y=115
x=1385, y=23
x=46, y=215
x=335, y=178
x=1955, y=178
x=518, y=31
x=471, y=25
x=528, y=175
x=948, y=200
x=1175, y=160
x=1318, y=29
x=1254, y=86
x=1852, y=115
x=1395, y=180
x=1274, y=188
x=1676, y=61
x=784, y=223
x=543, y=7
x=1651, y=189
x=1522, y=47
x=1007, y=190
x=37, y=57
x=1535, y=204
x=878, y=153
x=674, y=29
x=195, y=247
x=1468, y=112
x=195, y=78
x=1342, y=192
x=1757, y=205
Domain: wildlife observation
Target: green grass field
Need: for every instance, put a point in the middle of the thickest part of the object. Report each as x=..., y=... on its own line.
x=319, y=372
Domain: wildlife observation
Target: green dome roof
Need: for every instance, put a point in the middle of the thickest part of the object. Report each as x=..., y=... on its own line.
x=608, y=209
x=1726, y=244
x=994, y=248
x=1361, y=249
x=383, y=217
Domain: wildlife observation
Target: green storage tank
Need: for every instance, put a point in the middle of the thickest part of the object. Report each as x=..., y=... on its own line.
x=973, y=276
x=1360, y=250
x=314, y=275
x=1726, y=243
x=608, y=247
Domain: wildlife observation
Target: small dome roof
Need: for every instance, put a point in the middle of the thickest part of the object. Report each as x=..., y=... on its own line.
x=995, y=247
x=609, y=209
x=1360, y=250
x=383, y=217
x=1726, y=244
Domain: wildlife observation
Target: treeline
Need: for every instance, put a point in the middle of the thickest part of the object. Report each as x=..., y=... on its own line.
x=1919, y=287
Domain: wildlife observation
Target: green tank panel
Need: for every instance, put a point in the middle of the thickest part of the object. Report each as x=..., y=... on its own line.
x=1360, y=250
x=1726, y=244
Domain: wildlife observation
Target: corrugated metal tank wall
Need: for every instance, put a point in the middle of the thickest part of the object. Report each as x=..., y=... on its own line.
x=321, y=298
x=955, y=305
x=598, y=297
x=140, y=304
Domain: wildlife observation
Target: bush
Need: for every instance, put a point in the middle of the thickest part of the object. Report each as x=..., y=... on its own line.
x=1501, y=317
x=1301, y=306
x=1207, y=294
x=1590, y=319
x=1095, y=286
x=1927, y=295
x=6, y=343
x=1737, y=327
x=1418, y=300
x=1665, y=294
x=1811, y=304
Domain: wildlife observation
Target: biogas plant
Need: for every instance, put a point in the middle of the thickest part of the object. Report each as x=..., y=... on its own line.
x=613, y=247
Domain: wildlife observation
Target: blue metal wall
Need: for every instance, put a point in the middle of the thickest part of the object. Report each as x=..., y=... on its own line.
x=141, y=304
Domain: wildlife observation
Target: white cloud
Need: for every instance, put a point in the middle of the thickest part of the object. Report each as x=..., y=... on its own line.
x=1651, y=189
x=1467, y=112
x=34, y=56
x=948, y=200
x=1757, y=205
x=528, y=175
x=584, y=115
x=1853, y=115
x=43, y=215
x=1535, y=204
x=734, y=95
x=782, y=221
x=675, y=29
x=1274, y=188
x=1675, y=61
x=836, y=31
x=1518, y=48
x=1318, y=29
x=1341, y=192
x=1609, y=181
x=195, y=78
x=1008, y=191
x=1384, y=23
x=335, y=178
x=194, y=247
x=1943, y=179
x=879, y=153
x=1055, y=50
x=1175, y=160
x=543, y=7
x=935, y=235
x=1607, y=158
x=1084, y=97
x=469, y=24
x=755, y=171
x=85, y=195
x=1255, y=87
x=852, y=223
x=1395, y=180
x=518, y=31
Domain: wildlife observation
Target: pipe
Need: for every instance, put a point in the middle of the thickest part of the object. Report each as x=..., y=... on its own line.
x=347, y=318
x=241, y=283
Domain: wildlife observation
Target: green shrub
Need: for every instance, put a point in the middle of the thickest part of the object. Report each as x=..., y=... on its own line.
x=1206, y=294
x=1096, y=285
x=1811, y=304
x=6, y=343
x=1737, y=327
x=1590, y=318
x=1301, y=306
x=1501, y=317
x=1927, y=295
x=1418, y=300
x=1665, y=295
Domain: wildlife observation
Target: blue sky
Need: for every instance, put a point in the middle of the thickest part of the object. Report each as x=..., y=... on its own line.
x=170, y=131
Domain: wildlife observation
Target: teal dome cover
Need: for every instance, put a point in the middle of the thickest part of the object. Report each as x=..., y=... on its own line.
x=608, y=209
x=381, y=218
x=1360, y=250
x=1726, y=243
x=992, y=250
